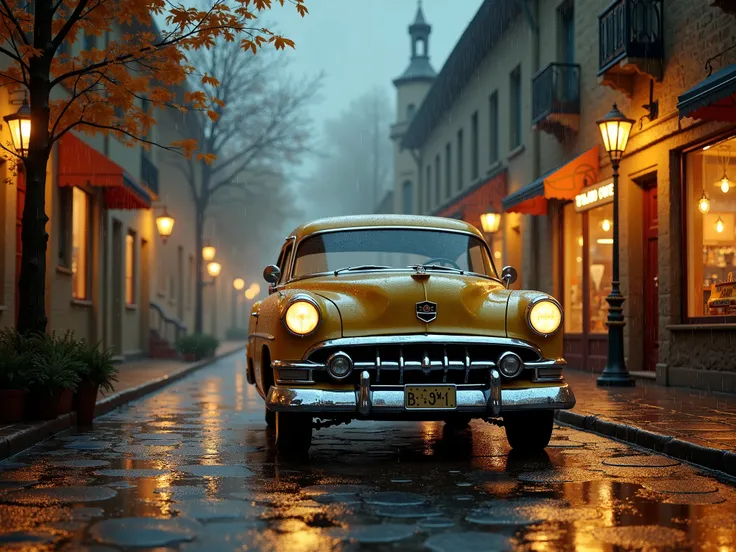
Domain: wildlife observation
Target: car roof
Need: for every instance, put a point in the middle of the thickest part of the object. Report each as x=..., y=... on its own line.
x=383, y=221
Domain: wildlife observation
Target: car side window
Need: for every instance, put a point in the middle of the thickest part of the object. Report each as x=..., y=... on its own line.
x=284, y=260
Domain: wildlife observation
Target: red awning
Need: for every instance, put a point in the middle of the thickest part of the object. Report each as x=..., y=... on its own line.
x=82, y=165
x=480, y=199
x=562, y=183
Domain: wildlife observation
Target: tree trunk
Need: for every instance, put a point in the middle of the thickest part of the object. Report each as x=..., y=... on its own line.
x=34, y=238
x=198, y=276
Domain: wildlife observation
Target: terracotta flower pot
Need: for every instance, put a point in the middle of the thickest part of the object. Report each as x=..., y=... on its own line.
x=85, y=402
x=190, y=357
x=12, y=405
x=47, y=406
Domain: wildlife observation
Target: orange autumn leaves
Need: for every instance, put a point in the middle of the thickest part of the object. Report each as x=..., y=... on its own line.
x=113, y=70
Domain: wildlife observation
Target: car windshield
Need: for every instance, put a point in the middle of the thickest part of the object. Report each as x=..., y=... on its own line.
x=380, y=249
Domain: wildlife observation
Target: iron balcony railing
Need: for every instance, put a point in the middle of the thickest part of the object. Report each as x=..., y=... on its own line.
x=556, y=90
x=630, y=28
x=149, y=173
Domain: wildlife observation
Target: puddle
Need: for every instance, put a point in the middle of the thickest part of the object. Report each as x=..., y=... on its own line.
x=133, y=472
x=640, y=536
x=217, y=470
x=682, y=486
x=88, y=445
x=468, y=541
x=374, y=534
x=422, y=511
x=60, y=495
x=213, y=510
x=144, y=531
x=394, y=498
x=80, y=464
x=641, y=462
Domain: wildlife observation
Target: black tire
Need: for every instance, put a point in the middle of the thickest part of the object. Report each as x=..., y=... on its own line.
x=270, y=418
x=293, y=433
x=529, y=432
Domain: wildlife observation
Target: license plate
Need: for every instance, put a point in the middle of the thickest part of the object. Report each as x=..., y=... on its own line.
x=429, y=397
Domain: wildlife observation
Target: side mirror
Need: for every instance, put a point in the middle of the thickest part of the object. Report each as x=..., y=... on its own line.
x=509, y=275
x=271, y=274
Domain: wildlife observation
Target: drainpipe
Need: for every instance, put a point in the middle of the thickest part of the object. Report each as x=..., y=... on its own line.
x=531, y=11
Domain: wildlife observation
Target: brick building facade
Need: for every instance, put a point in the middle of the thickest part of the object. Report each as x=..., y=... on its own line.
x=575, y=59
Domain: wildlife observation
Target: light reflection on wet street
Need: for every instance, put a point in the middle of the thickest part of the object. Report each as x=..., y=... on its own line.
x=192, y=468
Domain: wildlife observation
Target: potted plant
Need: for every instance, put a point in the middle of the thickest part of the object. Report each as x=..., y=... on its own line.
x=207, y=346
x=15, y=367
x=98, y=371
x=55, y=375
x=186, y=345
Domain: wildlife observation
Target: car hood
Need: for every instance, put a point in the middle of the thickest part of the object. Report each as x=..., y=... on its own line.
x=384, y=304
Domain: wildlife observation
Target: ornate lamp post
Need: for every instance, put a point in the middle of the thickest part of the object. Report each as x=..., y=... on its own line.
x=19, y=124
x=615, y=128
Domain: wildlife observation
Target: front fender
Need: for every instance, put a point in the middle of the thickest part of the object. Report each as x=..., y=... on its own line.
x=518, y=327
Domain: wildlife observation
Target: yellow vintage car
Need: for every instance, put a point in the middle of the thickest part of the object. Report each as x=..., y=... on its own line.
x=398, y=317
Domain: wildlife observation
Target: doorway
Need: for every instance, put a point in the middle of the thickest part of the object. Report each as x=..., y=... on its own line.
x=651, y=274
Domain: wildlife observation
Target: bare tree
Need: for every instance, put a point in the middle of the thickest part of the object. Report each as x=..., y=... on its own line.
x=356, y=166
x=262, y=124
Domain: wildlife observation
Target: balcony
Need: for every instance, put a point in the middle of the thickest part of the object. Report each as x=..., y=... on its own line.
x=630, y=43
x=556, y=99
x=728, y=6
x=149, y=173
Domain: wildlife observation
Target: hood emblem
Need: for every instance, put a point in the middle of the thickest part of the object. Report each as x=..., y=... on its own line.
x=426, y=311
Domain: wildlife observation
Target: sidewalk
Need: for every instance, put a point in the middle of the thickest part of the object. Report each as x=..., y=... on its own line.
x=695, y=426
x=135, y=380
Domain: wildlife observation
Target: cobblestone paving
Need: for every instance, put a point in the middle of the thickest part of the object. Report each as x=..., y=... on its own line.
x=192, y=468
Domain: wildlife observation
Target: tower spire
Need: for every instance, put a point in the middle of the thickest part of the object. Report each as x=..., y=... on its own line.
x=419, y=66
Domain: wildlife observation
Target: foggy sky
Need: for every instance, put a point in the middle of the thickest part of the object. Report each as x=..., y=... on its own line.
x=360, y=44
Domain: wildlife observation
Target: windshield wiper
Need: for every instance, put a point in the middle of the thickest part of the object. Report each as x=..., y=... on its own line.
x=362, y=267
x=437, y=267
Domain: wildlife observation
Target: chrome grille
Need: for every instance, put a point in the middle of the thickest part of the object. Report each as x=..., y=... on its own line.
x=393, y=364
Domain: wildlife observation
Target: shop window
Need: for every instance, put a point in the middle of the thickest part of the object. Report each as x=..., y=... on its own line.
x=493, y=127
x=428, y=187
x=515, y=107
x=408, y=197
x=600, y=265
x=573, y=270
x=437, y=180
x=710, y=180
x=474, y=164
x=81, y=244
x=460, y=159
x=64, y=232
x=130, y=269
x=448, y=169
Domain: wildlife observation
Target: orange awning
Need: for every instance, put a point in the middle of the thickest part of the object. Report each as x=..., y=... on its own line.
x=82, y=165
x=478, y=200
x=562, y=183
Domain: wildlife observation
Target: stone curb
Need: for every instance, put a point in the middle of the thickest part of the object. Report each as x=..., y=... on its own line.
x=706, y=457
x=18, y=442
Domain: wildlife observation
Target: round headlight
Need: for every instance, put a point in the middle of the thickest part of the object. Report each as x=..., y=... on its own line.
x=545, y=317
x=302, y=317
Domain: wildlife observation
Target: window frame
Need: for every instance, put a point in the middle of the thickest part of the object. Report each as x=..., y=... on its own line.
x=460, y=158
x=66, y=220
x=474, y=147
x=437, y=180
x=515, y=108
x=87, y=247
x=407, y=197
x=679, y=157
x=130, y=264
x=448, y=169
x=493, y=152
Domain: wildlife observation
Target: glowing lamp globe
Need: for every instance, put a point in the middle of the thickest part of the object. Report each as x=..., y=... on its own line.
x=704, y=203
x=256, y=288
x=490, y=222
x=165, y=225
x=615, y=128
x=214, y=268
x=719, y=226
x=238, y=284
x=208, y=253
x=19, y=124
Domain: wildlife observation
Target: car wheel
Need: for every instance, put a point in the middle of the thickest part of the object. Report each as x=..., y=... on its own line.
x=293, y=432
x=529, y=431
x=270, y=418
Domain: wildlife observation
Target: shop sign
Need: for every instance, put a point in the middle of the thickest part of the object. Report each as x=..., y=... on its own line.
x=594, y=196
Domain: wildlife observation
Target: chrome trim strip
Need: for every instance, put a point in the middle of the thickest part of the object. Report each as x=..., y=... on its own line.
x=390, y=399
x=495, y=395
x=266, y=336
x=422, y=339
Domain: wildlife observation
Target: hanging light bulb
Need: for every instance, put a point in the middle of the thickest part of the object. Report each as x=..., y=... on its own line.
x=580, y=241
x=719, y=225
x=725, y=184
x=606, y=225
x=704, y=203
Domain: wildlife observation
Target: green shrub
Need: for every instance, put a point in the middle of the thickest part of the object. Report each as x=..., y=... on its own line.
x=99, y=368
x=16, y=366
x=56, y=362
x=200, y=345
x=237, y=334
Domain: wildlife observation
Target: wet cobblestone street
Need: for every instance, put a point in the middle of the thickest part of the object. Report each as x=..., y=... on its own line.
x=193, y=468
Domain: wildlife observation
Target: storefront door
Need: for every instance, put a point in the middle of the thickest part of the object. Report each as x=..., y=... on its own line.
x=651, y=276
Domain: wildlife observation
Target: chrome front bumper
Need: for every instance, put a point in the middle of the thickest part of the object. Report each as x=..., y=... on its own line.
x=368, y=400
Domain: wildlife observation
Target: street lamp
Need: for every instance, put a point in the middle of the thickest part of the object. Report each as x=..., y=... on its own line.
x=615, y=128
x=165, y=225
x=19, y=124
x=490, y=222
x=238, y=284
x=208, y=253
x=214, y=268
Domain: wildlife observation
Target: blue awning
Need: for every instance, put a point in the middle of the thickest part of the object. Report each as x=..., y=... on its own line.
x=713, y=99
